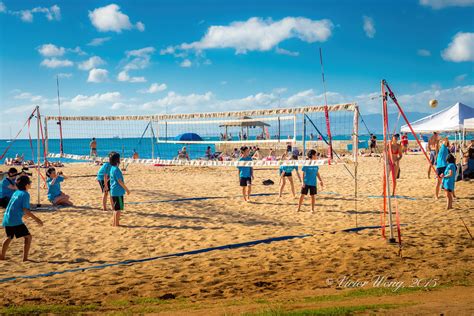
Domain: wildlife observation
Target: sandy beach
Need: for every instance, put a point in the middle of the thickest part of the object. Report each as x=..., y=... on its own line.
x=314, y=272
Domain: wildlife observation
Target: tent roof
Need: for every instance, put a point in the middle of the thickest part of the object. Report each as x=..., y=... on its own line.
x=447, y=120
x=242, y=123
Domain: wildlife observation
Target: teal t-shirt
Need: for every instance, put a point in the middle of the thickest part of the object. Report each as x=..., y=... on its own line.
x=104, y=169
x=442, y=155
x=310, y=175
x=245, y=172
x=6, y=191
x=54, y=189
x=287, y=169
x=448, y=183
x=115, y=188
x=14, y=213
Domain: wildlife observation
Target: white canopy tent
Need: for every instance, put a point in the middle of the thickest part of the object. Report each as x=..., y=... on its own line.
x=447, y=120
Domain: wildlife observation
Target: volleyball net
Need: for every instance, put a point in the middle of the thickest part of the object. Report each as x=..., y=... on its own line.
x=202, y=139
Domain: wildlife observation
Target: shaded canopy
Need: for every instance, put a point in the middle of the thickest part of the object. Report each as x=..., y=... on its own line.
x=189, y=137
x=243, y=123
x=447, y=120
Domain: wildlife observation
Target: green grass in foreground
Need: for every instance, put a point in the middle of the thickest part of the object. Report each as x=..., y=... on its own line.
x=46, y=309
x=331, y=311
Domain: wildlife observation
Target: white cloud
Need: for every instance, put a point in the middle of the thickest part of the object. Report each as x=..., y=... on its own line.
x=154, y=88
x=257, y=34
x=283, y=51
x=440, y=4
x=424, y=52
x=50, y=50
x=64, y=75
x=92, y=62
x=460, y=49
x=460, y=77
x=111, y=19
x=135, y=60
x=56, y=63
x=3, y=8
x=26, y=16
x=140, y=26
x=77, y=50
x=52, y=13
x=99, y=41
x=81, y=102
x=369, y=26
x=185, y=63
x=178, y=102
x=29, y=96
x=124, y=77
x=98, y=75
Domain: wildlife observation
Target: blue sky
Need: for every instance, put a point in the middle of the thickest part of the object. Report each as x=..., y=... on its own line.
x=123, y=57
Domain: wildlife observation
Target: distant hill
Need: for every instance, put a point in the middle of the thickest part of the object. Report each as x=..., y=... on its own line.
x=374, y=121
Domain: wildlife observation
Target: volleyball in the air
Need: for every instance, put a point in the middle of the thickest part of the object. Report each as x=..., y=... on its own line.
x=433, y=103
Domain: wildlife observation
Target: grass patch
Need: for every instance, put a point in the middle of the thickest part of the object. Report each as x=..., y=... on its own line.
x=42, y=309
x=119, y=303
x=331, y=311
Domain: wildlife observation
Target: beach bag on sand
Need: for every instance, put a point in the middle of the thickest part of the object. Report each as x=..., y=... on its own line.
x=268, y=182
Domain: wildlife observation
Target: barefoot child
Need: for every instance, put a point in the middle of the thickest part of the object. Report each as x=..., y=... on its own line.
x=245, y=174
x=449, y=178
x=117, y=188
x=310, y=173
x=286, y=173
x=18, y=207
x=441, y=164
x=8, y=187
x=104, y=182
x=55, y=196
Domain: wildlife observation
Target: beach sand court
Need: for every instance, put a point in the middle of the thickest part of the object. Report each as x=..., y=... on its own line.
x=328, y=269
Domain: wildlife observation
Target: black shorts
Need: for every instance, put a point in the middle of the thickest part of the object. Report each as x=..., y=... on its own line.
x=309, y=188
x=17, y=231
x=245, y=182
x=4, y=201
x=102, y=185
x=440, y=171
x=433, y=157
x=117, y=203
x=287, y=174
x=373, y=144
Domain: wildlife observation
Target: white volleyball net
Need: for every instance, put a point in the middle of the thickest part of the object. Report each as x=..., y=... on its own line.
x=204, y=139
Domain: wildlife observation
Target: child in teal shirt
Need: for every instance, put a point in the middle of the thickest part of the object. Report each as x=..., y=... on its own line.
x=449, y=179
x=286, y=172
x=117, y=188
x=310, y=174
x=18, y=207
x=245, y=174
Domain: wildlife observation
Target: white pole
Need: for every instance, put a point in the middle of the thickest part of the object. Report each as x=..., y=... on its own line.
x=38, y=162
x=152, y=142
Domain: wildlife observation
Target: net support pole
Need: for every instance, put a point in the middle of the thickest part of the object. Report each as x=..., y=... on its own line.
x=294, y=130
x=386, y=162
x=152, y=141
x=279, y=130
x=355, y=134
x=46, y=140
x=355, y=150
x=304, y=135
x=38, y=153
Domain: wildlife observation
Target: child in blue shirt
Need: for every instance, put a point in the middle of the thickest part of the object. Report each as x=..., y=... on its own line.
x=55, y=196
x=245, y=174
x=18, y=207
x=285, y=172
x=449, y=178
x=441, y=163
x=8, y=187
x=310, y=173
x=117, y=188
x=104, y=182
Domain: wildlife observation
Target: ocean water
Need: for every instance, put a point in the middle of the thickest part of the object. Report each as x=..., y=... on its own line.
x=124, y=146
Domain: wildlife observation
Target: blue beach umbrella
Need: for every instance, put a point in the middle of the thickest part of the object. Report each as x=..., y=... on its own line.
x=189, y=137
